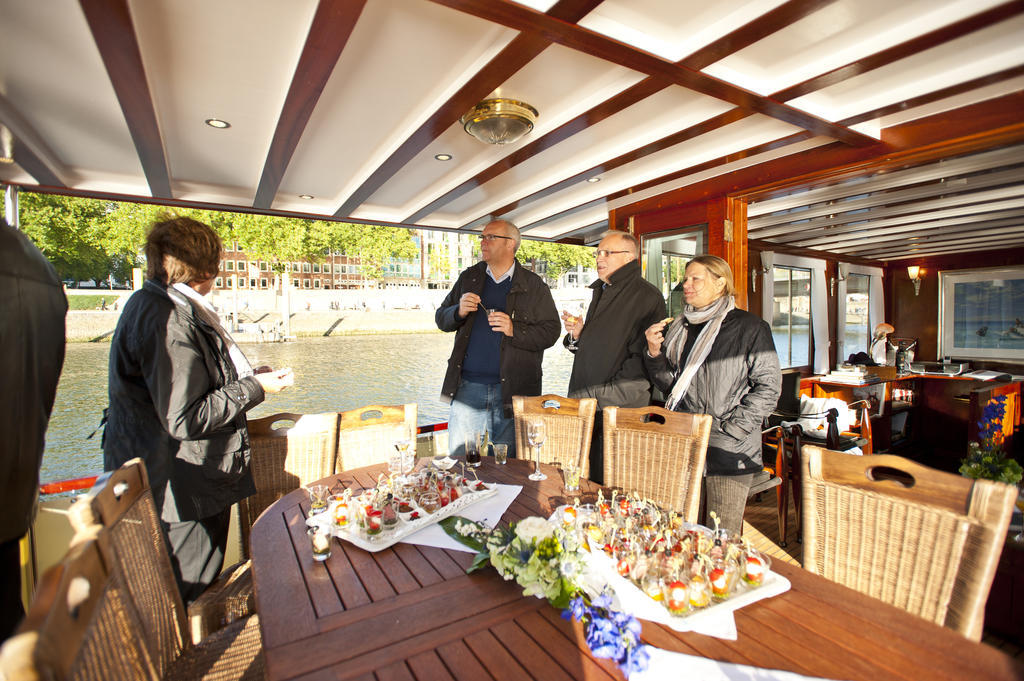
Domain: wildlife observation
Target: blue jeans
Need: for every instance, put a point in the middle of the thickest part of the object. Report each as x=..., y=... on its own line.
x=476, y=408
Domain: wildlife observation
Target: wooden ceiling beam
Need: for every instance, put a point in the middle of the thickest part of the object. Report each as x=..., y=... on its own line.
x=764, y=25
x=516, y=55
x=979, y=126
x=873, y=240
x=575, y=37
x=329, y=32
x=111, y=25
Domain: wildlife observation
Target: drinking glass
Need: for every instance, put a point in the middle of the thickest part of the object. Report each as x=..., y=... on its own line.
x=430, y=502
x=500, y=453
x=536, y=433
x=320, y=541
x=318, y=498
x=406, y=456
x=473, y=450
x=571, y=474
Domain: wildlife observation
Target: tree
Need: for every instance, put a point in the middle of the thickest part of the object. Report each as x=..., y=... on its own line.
x=560, y=258
x=69, y=231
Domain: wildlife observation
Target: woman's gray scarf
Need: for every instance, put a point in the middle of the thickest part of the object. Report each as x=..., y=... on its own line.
x=675, y=340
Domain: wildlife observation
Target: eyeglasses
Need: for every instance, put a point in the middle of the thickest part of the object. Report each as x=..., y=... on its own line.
x=491, y=237
x=605, y=253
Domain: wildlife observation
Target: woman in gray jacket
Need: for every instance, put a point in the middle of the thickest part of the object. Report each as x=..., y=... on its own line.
x=179, y=390
x=717, y=359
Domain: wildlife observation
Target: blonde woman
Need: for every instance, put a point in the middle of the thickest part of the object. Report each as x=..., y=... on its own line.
x=720, y=360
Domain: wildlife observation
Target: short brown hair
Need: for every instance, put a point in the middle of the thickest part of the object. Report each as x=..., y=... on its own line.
x=719, y=268
x=190, y=248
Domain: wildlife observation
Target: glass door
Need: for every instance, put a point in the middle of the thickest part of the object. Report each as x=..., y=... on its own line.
x=664, y=257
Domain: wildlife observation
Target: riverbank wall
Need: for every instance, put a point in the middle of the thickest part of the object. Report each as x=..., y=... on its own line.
x=98, y=326
x=315, y=313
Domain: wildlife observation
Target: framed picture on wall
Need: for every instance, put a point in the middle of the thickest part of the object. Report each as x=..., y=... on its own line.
x=981, y=313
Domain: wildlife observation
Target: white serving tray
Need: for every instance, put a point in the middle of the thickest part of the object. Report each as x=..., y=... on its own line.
x=404, y=528
x=632, y=599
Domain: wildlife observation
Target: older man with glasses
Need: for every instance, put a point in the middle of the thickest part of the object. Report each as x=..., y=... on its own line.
x=610, y=342
x=504, y=318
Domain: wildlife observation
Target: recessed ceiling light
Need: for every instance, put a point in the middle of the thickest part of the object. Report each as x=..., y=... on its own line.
x=593, y=179
x=217, y=123
x=443, y=157
x=305, y=196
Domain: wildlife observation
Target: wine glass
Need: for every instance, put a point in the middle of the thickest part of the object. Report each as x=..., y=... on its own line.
x=406, y=457
x=536, y=433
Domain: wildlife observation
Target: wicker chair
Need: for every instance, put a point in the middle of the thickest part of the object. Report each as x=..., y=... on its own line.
x=920, y=539
x=657, y=453
x=111, y=608
x=288, y=451
x=569, y=424
x=367, y=435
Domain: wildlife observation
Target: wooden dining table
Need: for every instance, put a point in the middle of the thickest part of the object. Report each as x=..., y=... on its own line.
x=412, y=612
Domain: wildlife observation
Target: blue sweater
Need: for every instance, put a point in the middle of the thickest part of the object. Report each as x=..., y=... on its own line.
x=483, y=356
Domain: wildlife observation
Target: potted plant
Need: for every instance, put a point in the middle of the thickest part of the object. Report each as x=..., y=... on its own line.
x=985, y=457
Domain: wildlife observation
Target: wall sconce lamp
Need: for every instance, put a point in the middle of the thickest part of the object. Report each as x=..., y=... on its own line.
x=915, y=273
x=767, y=262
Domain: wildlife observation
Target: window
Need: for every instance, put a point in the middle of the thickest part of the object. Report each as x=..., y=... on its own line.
x=263, y=266
x=241, y=282
x=305, y=283
x=229, y=265
x=240, y=265
x=295, y=267
x=252, y=283
x=856, y=330
x=316, y=268
x=791, y=315
x=263, y=283
x=305, y=267
x=666, y=258
x=316, y=283
x=218, y=283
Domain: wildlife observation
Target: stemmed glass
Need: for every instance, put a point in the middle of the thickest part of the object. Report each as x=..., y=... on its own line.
x=405, y=457
x=536, y=433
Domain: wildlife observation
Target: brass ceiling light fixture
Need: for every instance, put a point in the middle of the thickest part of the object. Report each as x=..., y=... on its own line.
x=499, y=120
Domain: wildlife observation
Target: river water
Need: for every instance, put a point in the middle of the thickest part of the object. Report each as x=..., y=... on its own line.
x=331, y=374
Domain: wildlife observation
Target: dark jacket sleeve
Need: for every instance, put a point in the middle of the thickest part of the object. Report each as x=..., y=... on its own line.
x=765, y=381
x=633, y=366
x=178, y=378
x=447, y=315
x=541, y=329
x=661, y=371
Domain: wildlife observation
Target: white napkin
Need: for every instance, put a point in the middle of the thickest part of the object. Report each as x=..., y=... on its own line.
x=717, y=620
x=665, y=664
x=487, y=512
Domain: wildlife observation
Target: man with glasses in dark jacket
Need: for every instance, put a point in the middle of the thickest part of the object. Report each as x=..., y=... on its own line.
x=609, y=343
x=504, y=319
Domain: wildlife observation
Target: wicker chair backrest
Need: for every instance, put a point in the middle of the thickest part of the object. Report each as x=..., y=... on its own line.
x=920, y=539
x=569, y=427
x=367, y=435
x=288, y=451
x=658, y=454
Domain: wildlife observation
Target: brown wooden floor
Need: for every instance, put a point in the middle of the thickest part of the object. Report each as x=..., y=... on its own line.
x=761, y=528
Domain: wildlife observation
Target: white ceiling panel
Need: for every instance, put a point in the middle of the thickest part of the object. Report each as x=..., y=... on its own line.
x=838, y=34
x=673, y=30
x=377, y=97
x=979, y=54
x=560, y=83
x=658, y=116
x=52, y=74
x=253, y=47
